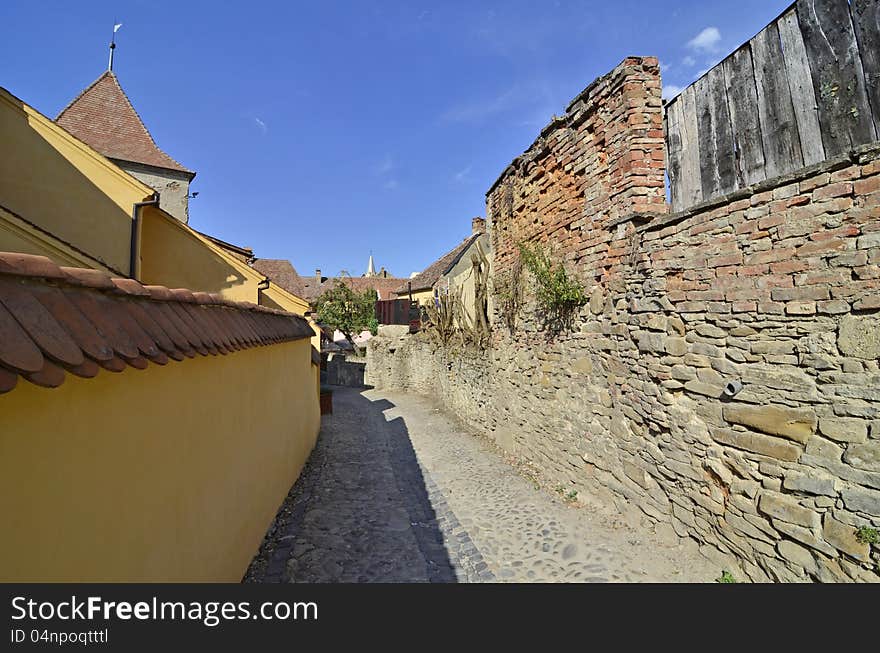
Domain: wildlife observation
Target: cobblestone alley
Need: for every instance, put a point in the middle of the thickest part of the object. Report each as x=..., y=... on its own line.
x=398, y=491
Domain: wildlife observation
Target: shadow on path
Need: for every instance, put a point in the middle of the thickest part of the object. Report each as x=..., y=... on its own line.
x=361, y=510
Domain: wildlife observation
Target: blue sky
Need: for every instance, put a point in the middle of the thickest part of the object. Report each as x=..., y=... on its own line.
x=324, y=130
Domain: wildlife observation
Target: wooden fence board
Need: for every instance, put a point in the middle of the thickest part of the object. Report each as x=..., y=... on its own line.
x=866, y=20
x=778, y=125
x=838, y=81
x=800, y=83
x=805, y=89
x=742, y=99
x=672, y=136
x=717, y=164
x=683, y=151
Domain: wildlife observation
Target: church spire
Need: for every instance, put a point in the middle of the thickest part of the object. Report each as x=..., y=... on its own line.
x=371, y=269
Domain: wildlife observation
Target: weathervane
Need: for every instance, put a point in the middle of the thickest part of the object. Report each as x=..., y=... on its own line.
x=116, y=27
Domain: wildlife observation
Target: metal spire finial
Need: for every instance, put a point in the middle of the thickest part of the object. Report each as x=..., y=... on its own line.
x=116, y=27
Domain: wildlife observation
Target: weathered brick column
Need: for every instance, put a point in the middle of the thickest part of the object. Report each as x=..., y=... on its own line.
x=600, y=161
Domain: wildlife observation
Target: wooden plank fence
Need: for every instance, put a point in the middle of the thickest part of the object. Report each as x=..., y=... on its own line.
x=805, y=89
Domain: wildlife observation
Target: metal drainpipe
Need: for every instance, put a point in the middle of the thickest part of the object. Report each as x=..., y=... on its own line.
x=260, y=288
x=135, y=233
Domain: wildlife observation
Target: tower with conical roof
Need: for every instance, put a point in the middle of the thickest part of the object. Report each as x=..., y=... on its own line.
x=103, y=117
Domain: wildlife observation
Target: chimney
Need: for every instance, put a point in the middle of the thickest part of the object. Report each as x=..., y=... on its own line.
x=478, y=226
x=318, y=275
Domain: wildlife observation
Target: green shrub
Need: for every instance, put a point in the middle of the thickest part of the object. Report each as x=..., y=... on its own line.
x=726, y=577
x=559, y=295
x=867, y=535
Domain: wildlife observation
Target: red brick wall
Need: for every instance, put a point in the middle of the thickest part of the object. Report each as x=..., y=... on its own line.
x=602, y=160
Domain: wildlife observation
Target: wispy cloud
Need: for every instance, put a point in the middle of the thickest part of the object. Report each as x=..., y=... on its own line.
x=671, y=90
x=262, y=126
x=462, y=175
x=706, y=41
x=384, y=169
x=515, y=34
x=689, y=61
x=478, y=110
x=385, y=166
x=518, y=104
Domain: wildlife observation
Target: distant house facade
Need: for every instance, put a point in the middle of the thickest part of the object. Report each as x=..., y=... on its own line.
x=452, y=272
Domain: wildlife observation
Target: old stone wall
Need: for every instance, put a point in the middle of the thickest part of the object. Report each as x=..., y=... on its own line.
x=343, y=369
x=172, y=186
x=773, y=291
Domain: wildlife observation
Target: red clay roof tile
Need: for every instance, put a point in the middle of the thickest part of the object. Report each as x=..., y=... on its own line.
x=74, y=322
x=50, y=376
x=8, y=380
x=94, y=307
x=26, y=265
x=159, y=315
x=88, y=370
x=159, y=358
x=193, y=333
x=159, y=292
x=103, y=117
x=183, y=295
x=138, y=362
x=17, y=350
x=145, y=319
x=130, y=287
x=282, y=273
x=83, y=320
x=88, y=278
x=191, y=343
x=225, y=336
x=385, y=287
x=42, y=328
x=203, y=298
x=115, y=365
x=133, y=330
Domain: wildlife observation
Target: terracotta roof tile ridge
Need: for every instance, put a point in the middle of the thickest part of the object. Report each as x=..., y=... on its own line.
x=56, y=319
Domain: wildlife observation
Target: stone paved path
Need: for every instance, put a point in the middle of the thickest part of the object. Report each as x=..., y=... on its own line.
x=398, y=491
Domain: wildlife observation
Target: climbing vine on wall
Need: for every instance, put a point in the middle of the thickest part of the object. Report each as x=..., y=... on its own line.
x=507, y=288
x=559, y=294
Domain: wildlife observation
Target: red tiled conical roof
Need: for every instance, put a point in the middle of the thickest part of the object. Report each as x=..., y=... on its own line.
x=103, y=117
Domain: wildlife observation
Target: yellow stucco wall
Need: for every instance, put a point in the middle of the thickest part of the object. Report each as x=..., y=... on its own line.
x=422, y=297
x=463, y=283
x=277, y=297
x=173, y=255
x=63, y=186
x=168, y=474
x=16, y=235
